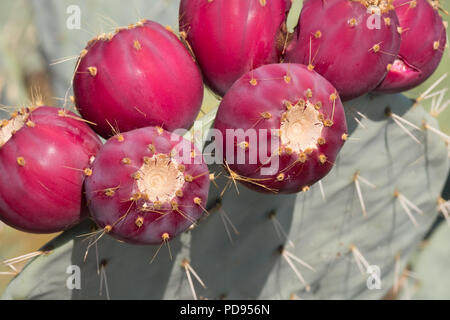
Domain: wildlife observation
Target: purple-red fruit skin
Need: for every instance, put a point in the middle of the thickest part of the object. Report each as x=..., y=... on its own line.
x=423, y=44
x=231, y=37
x=42, y=168
x=258, y=101
x=142, y=76
x=118, y=204
x=333, y=36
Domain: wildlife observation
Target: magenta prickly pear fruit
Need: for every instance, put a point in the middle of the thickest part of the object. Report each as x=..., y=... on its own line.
x=231, y=37
x=140, y=76
x=147, y=186
x=282, y=127
x=423, y=43
x=45, y=155
x=350, y=43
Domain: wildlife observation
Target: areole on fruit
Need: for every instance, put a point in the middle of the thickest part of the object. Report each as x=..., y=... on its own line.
x=292, y=127
x=147, y=186
x=383, y=5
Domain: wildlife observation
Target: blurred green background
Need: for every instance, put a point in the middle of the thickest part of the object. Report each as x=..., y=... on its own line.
x=34, y=39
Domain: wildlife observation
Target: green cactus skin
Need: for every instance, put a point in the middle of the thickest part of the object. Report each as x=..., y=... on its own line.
x=323, y=231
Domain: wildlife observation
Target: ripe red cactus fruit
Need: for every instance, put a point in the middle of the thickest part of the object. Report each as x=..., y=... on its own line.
x=346, y=43
x=137, y=77
x=45, y=155
x=282, y=126
x=231, y=37
x=423, y=35
x=147, y=186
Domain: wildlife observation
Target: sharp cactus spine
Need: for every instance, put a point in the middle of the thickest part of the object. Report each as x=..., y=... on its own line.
x=303, y=117
x=423, y=40
x=147, y=186
x=231, y=37
x=140, y=76
x=347, y=43
x=45, y=155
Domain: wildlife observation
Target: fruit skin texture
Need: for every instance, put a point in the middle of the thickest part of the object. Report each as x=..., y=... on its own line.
x=141, y=76
x=422, y=47
x=333, y=36
x=117, y=202
x=42, y=172
x=231, y=37
x=247, y=106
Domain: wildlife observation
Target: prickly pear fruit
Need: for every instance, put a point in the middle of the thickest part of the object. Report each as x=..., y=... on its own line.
x=147, y=186
x=45, y=155
x=282, y=127
x=423, y=35
x=140, y=76
x=346, y=43
x=231, y=37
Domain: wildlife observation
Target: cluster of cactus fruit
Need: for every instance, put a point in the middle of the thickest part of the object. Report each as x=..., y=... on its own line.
x=279, y=128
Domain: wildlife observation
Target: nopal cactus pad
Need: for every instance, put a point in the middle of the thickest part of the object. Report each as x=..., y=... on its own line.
x=231, y=37
x=45, y=155
x=286, y=122
x=140, y=76
x=423, y=43
x=325, y=234
x=147, y=186
x=351, y=43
